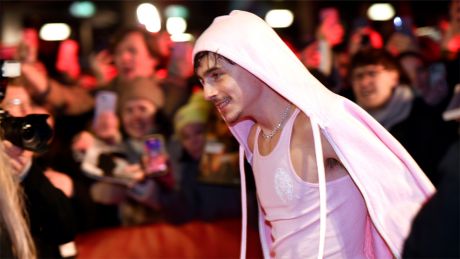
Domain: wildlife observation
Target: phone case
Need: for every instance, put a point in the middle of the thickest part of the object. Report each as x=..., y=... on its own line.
x=105, y=101
x=156, y=159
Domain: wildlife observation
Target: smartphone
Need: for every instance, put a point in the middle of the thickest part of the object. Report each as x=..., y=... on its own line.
x=437, y=74
x=11, y=68
x=155, y=156
x=105, y=101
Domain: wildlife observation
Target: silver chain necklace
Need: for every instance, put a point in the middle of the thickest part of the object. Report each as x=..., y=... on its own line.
x=278, y=126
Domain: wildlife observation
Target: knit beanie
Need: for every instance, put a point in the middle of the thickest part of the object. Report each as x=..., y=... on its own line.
x=141, y=88
x=196, y=110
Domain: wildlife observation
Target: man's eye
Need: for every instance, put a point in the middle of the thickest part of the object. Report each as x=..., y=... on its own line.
x=216, y=75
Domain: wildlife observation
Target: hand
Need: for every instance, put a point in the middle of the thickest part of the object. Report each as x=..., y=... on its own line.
x=36, y=80
x=81, y=143
x=310, y=56
x=101, y=64
x=134, y=171
x=355, y=41
x=155, y=165
x=331, y=31
x=61, y=181
x=19, y=157
x=106, y=127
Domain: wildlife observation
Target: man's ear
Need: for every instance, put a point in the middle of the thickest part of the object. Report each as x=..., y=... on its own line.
x=393, y=76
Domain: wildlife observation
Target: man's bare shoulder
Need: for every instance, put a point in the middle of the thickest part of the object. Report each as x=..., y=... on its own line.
x=302, y=126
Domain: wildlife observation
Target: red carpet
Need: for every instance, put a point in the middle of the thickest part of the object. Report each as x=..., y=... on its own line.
x=218, y=239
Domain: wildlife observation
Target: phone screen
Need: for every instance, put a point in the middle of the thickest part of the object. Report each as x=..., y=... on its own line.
x=156, y=160
x=11, y=68
x=105, y=101
x=437, y=74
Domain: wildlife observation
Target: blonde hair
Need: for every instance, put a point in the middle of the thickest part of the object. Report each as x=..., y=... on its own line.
x=12, y=214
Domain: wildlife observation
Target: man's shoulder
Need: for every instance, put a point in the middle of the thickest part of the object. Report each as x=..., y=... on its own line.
x=302, y=124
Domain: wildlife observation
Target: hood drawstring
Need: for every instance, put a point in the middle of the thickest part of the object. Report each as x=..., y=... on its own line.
x=322, y=187
x=244, y=218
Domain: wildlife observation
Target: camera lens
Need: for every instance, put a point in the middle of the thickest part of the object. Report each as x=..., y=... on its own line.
x=30, y=132
x=27, y=132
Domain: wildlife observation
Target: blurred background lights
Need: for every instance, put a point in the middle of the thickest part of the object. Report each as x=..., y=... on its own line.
x=279, y=18
x=380, y=12
x=397, y=21
x=176, y=25
x=176, y=11
x=182, y=37
x=82, y=9
x=54, y=31
x=429, y=31
x=148, y=15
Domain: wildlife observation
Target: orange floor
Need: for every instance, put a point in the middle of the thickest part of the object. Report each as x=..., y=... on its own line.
x=219, y=239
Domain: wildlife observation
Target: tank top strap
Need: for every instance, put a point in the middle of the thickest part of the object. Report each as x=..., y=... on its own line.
x=255, y=144
x=287, y=129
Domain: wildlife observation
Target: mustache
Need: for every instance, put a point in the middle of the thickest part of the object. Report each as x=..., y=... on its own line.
x=217, y=101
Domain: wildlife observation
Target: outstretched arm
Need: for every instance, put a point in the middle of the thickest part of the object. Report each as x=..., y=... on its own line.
x=71, y=100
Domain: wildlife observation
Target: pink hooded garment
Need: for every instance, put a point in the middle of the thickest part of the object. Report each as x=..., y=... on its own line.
x=391, y=183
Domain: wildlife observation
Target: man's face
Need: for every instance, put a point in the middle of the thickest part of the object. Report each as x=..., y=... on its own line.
x=137, y=117
x=415, y=69
x=373, y=85
x=132, y=57
x=193, y=139
x=106, y=125
x=229, y=87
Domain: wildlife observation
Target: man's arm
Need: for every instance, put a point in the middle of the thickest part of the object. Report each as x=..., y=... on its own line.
x=70, y=100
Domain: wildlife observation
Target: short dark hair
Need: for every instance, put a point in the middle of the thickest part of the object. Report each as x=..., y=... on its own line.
x=372, y=56
x=202, y=54
x=149, y=40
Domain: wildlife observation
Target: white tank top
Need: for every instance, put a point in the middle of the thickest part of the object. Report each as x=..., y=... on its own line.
x=291, y=206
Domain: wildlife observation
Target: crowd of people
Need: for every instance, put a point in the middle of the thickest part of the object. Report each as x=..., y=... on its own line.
x=94, y=173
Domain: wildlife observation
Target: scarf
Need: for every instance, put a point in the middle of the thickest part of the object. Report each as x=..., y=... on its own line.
x=397, y=109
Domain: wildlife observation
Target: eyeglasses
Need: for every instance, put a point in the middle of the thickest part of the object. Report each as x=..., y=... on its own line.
x=372, y=72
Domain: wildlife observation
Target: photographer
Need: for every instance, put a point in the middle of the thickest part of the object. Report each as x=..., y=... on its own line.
x=49, y=211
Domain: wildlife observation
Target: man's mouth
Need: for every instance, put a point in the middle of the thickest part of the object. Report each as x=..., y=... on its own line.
x=127, y=70
x=367, y=92
x=222, y=103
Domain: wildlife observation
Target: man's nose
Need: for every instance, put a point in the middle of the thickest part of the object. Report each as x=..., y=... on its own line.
x=209, y=92
x=125, y=56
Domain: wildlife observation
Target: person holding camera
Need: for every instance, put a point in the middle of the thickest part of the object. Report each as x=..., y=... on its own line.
x=49, y=210
x=15, y=238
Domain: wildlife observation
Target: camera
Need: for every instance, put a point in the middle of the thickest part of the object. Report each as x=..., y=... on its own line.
x=30, y=132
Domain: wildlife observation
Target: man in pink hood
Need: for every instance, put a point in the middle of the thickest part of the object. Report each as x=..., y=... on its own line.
x=301, y=140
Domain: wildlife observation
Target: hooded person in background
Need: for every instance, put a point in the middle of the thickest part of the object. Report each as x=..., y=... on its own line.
x=302, y=139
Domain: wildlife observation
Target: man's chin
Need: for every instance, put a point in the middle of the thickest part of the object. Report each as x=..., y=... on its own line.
x=231, y=120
